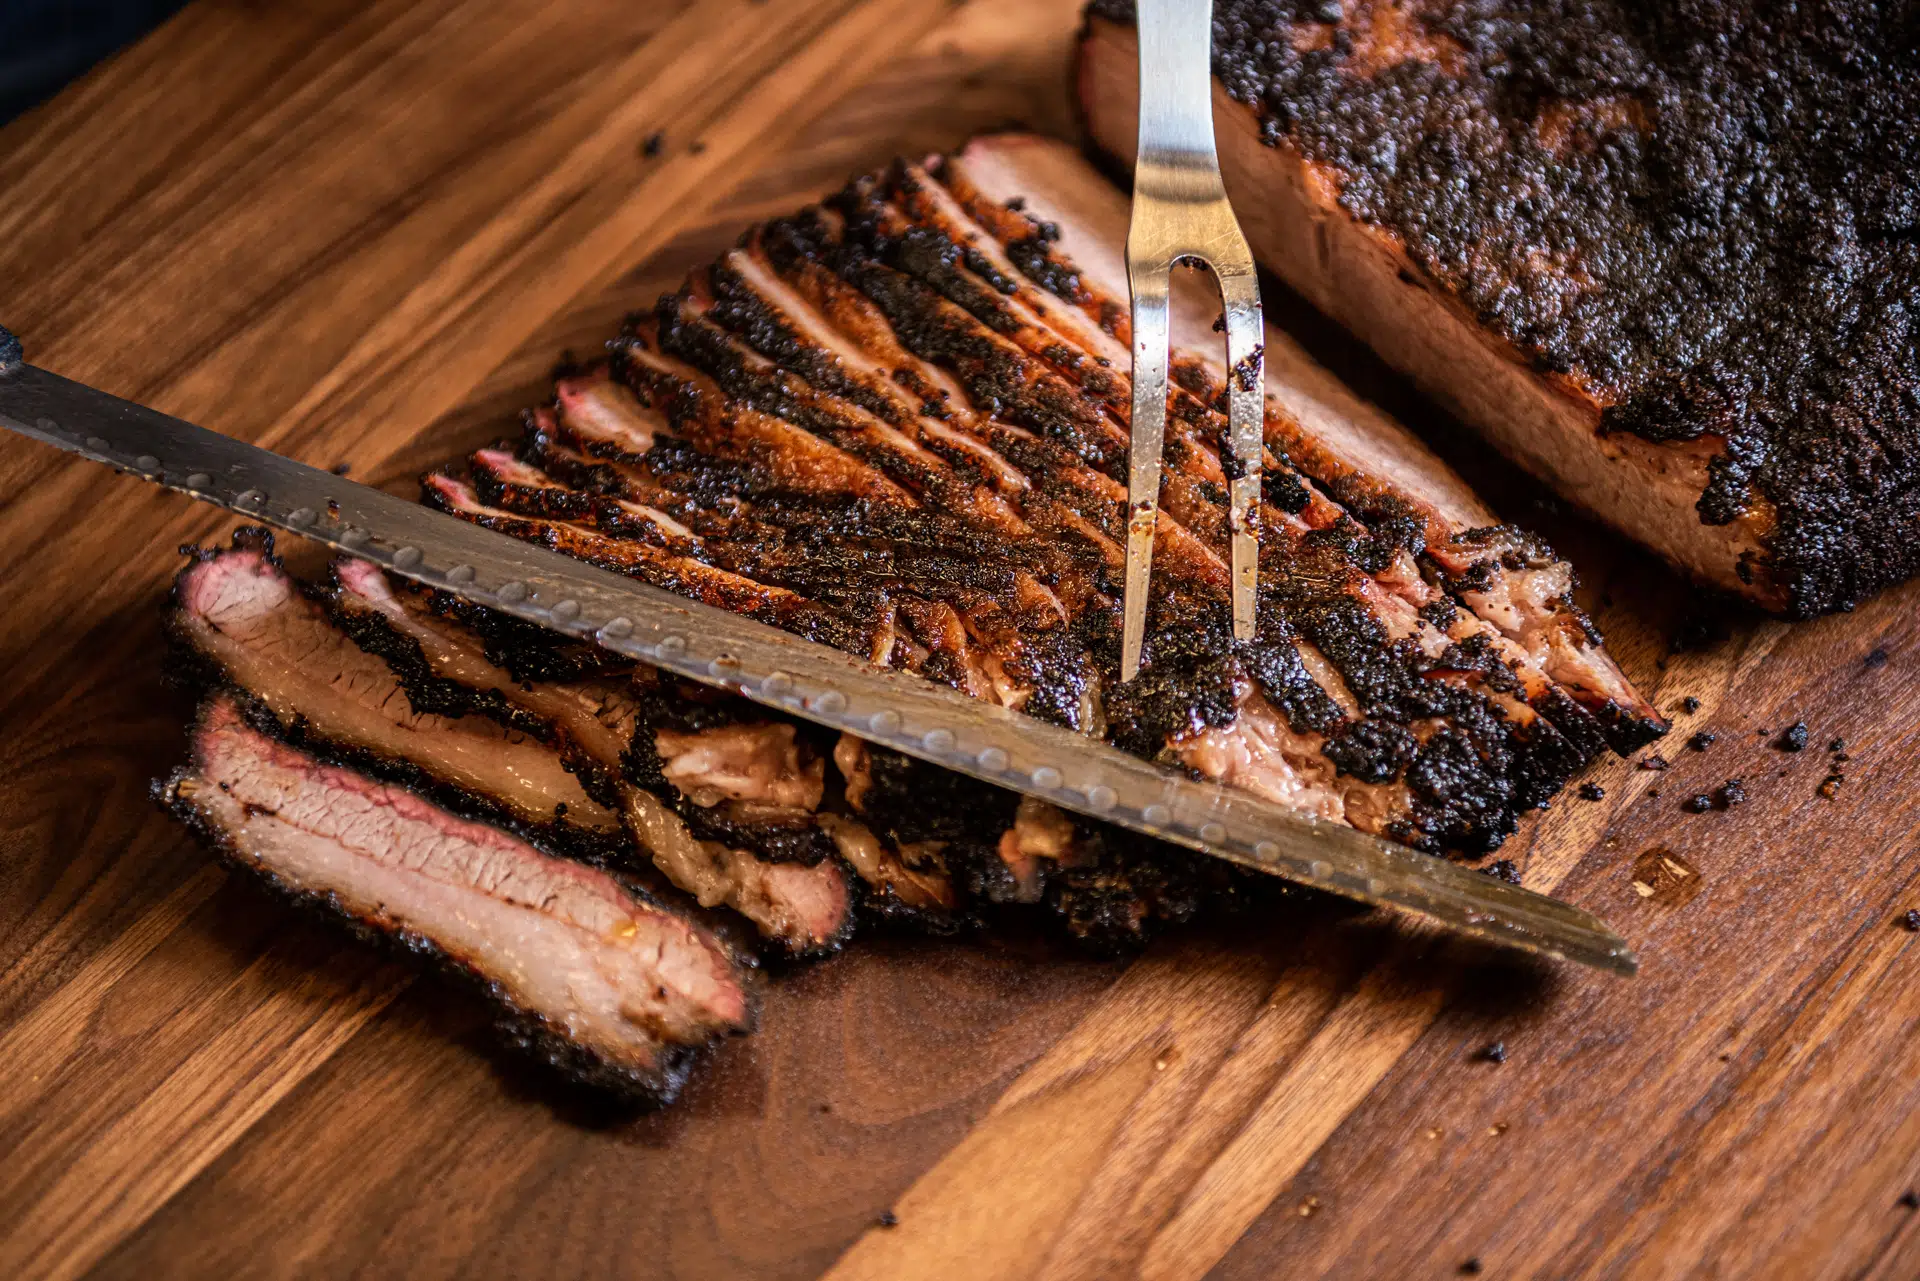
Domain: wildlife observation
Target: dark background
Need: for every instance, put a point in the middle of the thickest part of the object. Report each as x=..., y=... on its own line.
x=46, y=43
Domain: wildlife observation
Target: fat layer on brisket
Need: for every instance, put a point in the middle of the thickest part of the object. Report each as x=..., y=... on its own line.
x=609, y=988
x=895, y=423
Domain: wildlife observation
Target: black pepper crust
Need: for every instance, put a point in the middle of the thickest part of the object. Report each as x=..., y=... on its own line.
x=910, y=275
x=1706, y=214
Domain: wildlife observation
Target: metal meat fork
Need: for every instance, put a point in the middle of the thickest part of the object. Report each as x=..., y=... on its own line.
x=1180, y=212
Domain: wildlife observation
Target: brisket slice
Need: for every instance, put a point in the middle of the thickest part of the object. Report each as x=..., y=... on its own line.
x=895, y=423
x=248, y=625
x=1662, y=256
x=438, y=647
x=610, y=989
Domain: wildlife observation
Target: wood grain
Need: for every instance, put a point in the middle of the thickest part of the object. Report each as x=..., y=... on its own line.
x=362, y=232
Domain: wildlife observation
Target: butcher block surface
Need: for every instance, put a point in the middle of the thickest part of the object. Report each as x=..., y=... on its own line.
x=361, y=233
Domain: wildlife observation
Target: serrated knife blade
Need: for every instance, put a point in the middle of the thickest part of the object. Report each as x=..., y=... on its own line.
x=796, y=676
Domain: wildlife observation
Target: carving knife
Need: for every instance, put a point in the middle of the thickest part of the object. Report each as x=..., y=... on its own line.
x=782, y=671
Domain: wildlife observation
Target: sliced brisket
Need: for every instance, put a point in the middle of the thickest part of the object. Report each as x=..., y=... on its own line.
x=250, y=624
x=437, y=647
x=896, y=423
x=610, y=989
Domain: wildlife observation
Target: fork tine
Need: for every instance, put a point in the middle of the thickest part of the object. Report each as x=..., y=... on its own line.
x=1150, y=282
x=1246, y=355
x=1181, y=211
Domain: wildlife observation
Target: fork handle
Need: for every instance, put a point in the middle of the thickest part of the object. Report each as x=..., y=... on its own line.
x=1176, y=90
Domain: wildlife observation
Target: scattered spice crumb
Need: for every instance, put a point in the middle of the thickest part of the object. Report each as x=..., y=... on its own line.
x=1436, y=1132
x=1592, y=792
x=1220, y=323
x=1495, y=1053
x=887, y=1219
x=1497, y=1129
x=333, y=508
x=1831, y=784
x=1308, y=1206
x=1910, y=1200
x=1793, y=738
x=1911, y=920
x=1726, y=1058
x=341, y=469
x=826, y=1107
x=1689, y=704
x=1878, y=658
x=1732, y=792
x=1471, y=1268
x=1505, y=870
x=1704, y=628
x=1703, y=740
x=655, y=143
x=1653, y=762
x=1017, y=203
x=1247, y=371
x=1837, y=745
x=1653, y=793
x=1699, y=804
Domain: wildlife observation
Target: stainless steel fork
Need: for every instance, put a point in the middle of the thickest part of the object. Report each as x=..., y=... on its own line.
x=1180, y=212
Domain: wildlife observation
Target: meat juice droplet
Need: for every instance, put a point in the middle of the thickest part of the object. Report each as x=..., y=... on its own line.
x=1664, y=877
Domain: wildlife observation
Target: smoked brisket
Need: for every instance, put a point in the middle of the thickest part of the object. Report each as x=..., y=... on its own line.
x=895, y=423
x=1663, y=255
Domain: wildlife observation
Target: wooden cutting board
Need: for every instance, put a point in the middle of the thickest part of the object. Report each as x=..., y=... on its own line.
x=360, y=233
